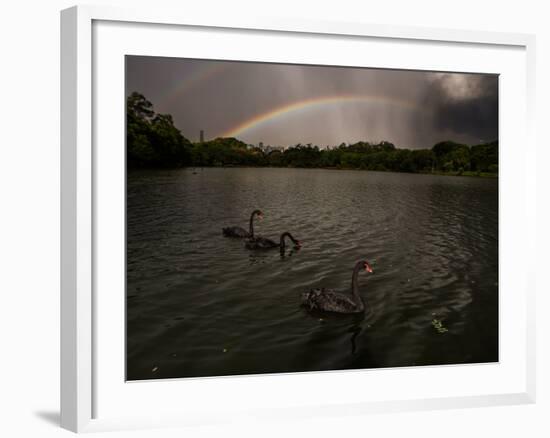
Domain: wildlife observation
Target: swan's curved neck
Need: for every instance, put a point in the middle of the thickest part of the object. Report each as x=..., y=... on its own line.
x=251, y=227
x=282, y=241
x=283, y=237
x=355, y=288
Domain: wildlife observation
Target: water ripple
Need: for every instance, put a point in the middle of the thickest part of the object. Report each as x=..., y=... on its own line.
x=199, y=304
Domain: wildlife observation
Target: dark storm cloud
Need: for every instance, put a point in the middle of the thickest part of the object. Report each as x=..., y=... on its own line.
x=468, y=107
x=409, y=108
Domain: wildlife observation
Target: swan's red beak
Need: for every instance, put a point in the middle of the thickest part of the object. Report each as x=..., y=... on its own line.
x=368, y=268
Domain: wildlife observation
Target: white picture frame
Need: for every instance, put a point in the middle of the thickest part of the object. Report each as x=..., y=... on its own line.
x=86, y=382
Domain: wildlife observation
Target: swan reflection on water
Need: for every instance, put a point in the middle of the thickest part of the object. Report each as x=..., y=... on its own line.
x=259, y=257
x=351, y=323
x=263, y=243
x=354, y=333
x=288, y=253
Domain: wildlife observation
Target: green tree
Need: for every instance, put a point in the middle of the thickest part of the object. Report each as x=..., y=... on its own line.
x=173, y=149
x=152, y=140
x=138, y=130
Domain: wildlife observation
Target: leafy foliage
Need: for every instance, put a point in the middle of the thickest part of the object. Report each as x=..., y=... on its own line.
x=154, y=141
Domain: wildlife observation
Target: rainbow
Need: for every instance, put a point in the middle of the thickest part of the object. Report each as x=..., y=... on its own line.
x=308, y=104
x=192, y=80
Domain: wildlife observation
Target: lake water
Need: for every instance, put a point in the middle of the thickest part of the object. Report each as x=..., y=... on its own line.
x=199, y=304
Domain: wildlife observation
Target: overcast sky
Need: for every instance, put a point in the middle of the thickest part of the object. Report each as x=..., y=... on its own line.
x=282, y=104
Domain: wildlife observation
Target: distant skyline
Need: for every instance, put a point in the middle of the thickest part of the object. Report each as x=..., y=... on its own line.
x=282, y=104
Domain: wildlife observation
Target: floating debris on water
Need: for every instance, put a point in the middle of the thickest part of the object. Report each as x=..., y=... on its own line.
x=225, y=350
x=438, y=325
x=155, y=369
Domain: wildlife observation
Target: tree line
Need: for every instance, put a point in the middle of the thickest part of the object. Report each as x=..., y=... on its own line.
x=154, y=142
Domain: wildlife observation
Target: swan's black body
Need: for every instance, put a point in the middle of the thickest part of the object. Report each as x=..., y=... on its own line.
x=241, y=233
x=265, y=243
x=328, y=300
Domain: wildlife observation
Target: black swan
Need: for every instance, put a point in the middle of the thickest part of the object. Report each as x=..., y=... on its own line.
x=328, y=300
x=264, y=243
x=240, y=232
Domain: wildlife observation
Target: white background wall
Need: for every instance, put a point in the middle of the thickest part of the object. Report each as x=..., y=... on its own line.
x=29, y=215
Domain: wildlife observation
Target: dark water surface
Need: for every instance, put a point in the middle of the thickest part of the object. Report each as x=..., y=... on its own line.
x=199, y=304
